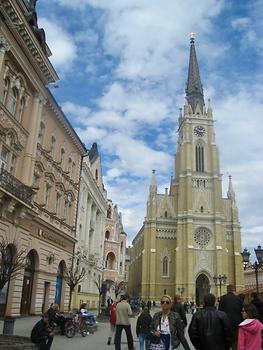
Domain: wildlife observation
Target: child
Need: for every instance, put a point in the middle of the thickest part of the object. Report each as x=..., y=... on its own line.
x=249, y=333
x=143, y=327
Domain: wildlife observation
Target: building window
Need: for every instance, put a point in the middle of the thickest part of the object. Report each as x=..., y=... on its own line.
x=41, y=133
x=4, y=157
x=165, y=214
x=96, y=174
x=53, y=146
x=73, y=170
x=110, y=261
x=199, y=158
x=69, y=166
x=121, y=247
x=202, y=209
x=12, y=102
x=165, y=266
x=47, y=195
x=13, y=165
x=21, y=109
x=62, y=157
x=5, y=90
x=58, y=203
x=66, y=208
x=107, y=235
x=121, y=268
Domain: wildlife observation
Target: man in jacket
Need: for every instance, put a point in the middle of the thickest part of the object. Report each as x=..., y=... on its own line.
x=179, y=308
x=41, y=335
x=123, y=311
x=232, y=305
x=210, y=329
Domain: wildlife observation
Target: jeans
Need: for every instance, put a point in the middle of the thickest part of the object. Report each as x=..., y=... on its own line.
x=112, y=330
x=128, y=332
x=46, y=343
x=143, y=339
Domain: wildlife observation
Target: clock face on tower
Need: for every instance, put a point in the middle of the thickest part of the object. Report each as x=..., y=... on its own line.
x=199, y=130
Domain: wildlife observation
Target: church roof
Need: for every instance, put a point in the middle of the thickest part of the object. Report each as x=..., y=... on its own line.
x=93, y=153
x=194, y=88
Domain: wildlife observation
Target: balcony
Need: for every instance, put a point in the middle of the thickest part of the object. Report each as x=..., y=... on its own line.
x=12, y=185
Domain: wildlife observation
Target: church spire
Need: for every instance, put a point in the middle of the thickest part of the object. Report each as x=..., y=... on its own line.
x=194, y=88
x=231, y=193
x=153, y=185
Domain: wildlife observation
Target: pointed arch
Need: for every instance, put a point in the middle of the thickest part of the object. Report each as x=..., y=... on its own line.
x=199, y=158
x=165, y=266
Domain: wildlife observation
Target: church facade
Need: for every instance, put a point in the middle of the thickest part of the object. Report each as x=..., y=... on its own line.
x=191, y=234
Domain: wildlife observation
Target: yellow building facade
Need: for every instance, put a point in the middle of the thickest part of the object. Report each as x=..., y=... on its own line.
x=40, y=161
x=191, y=233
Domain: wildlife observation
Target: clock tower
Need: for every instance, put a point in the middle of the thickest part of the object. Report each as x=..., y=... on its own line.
x=191, y=234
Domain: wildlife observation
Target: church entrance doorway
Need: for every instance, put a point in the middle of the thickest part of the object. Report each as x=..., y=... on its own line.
x=202, y=288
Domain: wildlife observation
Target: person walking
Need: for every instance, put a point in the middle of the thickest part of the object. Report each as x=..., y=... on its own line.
x=149, y=304
x=249, y=334
x=210, y=329
x=112, y=312
x=167, y=326
x=143, y=328
x=41, y=335
x=179, y=308
x=258, y=304
x=123, y=311
x=232, y=305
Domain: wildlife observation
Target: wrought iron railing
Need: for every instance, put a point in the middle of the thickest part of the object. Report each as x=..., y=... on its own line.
x=11, y=184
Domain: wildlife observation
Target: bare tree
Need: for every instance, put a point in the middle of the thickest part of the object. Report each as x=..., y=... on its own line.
x=76, y=272
x=10, y=264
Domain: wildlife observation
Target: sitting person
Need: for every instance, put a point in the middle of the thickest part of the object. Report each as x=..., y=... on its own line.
x=88, y=316
x=41, y=334
x=56, y=318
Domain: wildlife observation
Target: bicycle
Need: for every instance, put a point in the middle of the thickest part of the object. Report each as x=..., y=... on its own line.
x=76, y=325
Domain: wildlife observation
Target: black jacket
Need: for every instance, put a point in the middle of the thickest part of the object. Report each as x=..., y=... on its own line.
x=176, y=328
x=232, y=306
x=39, y=332
x=143, y=324
x=210, y=330
x=179, y=308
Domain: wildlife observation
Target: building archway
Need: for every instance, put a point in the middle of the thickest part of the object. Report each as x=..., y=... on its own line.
x=202, y=288
x=30, y=267
x=59, y=282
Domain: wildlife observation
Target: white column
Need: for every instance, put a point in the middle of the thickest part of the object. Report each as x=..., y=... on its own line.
x=86, y=228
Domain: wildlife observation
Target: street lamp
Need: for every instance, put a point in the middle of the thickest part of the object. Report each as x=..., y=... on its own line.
x=220, y=280
x=258, y=265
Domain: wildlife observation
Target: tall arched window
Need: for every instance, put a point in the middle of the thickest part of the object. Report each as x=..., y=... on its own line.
x=5, y=90
x=199, y=158
x=12, y=102
x=62, y=157
x=107, y=234
x=165, y=266
x=41, y=133
x=52, y=146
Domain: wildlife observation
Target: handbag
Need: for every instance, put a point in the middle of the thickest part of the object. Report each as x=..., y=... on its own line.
x=156, y=343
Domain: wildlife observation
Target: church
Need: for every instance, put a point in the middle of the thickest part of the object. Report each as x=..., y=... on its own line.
x=190, y=241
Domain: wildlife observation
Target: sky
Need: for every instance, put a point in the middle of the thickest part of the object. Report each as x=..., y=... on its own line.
x=123, y=69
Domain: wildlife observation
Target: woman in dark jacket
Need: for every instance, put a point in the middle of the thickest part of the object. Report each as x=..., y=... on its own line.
x=179, y=308
x=143, y=327
x=168, y=326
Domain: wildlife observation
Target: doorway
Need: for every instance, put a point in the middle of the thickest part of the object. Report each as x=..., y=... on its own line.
x=27, y=284
x=202, y=288
x=9, y=253
x=45, y=304
x=59, y=283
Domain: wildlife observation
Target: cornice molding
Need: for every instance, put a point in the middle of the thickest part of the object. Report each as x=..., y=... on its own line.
x=18, y=25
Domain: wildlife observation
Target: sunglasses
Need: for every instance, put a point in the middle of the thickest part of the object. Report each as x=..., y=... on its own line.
x=165, y=302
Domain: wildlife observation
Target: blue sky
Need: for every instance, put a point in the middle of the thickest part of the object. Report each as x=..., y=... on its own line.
x=123, y=69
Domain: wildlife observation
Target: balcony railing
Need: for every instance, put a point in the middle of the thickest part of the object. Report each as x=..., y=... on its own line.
x=11, y=184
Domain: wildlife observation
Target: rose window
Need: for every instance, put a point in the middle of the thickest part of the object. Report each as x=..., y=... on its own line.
x=202, y=237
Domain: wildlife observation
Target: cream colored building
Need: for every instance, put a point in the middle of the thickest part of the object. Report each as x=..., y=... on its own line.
x=114, y=254
x=191, y=233
x=91, y=227
x=40, y=166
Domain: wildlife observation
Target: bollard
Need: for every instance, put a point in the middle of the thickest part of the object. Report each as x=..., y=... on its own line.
x=9, y=323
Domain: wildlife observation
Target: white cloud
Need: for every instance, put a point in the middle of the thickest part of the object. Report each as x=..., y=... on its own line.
x=63, y=48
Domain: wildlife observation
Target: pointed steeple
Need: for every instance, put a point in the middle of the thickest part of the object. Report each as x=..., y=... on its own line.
x=231, y=193
x=194, y=88
x=153, y=184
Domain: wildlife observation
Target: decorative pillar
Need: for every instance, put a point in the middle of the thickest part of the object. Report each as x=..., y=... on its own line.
x=4, y=46
x=31, y=146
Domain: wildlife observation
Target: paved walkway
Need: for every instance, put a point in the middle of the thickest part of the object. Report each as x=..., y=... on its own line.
x=96, y=341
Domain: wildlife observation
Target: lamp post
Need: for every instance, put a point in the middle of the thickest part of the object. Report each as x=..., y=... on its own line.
x=257, y=265
x=220, y=281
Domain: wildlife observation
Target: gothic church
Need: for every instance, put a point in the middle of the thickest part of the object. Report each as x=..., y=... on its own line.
x=191, y=234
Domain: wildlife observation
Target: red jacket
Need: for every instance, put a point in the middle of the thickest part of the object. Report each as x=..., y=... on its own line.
x=112, y=311
x=249, y=335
